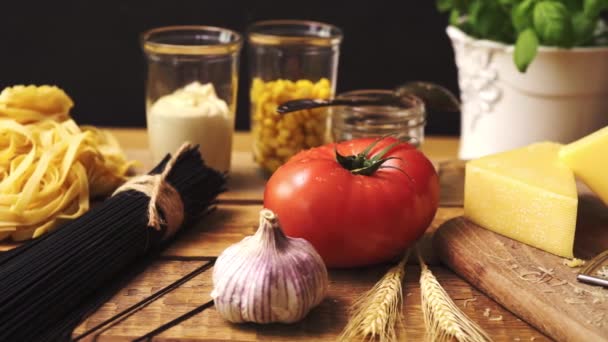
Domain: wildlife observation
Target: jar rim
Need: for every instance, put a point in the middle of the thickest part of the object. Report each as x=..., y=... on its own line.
x=221, y=41
x=410, y=101
x=293, y=32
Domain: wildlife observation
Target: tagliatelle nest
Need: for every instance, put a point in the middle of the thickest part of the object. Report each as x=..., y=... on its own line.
x=26, y=104
x=49, y=168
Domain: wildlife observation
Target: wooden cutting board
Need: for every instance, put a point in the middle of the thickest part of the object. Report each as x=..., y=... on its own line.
x=533, y=284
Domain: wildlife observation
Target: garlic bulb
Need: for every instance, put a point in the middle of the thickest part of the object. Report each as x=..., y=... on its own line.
x=268, y=277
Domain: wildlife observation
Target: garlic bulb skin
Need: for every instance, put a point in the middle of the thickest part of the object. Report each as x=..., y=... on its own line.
x=268, y=277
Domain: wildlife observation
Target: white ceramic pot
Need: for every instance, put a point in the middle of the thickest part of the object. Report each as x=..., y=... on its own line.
x=562, y=96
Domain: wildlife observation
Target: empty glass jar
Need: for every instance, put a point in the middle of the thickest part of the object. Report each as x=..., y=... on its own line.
x=404, y=118
x=290, y=59
x=191, y=89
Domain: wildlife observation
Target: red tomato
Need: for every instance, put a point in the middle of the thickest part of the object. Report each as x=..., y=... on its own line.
x=355, y=219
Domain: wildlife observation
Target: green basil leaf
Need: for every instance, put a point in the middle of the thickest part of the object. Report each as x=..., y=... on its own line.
x=583, y=28
x=462, y=5
x=573, y=5
x=489, y=24
x=521, y=15
x=475, y=9
x=552, y=23
x=455, y=17
x=444, y=5
x=490, y=21
x=526, y=48
x=593, y=8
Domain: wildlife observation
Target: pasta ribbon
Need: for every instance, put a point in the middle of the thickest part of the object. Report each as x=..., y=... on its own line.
x=49, y=166
x=31, y=103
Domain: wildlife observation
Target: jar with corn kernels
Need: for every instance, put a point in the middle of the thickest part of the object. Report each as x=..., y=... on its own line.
x=290, y=60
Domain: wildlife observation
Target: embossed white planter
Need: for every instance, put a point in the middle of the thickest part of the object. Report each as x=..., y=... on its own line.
x=562, y=96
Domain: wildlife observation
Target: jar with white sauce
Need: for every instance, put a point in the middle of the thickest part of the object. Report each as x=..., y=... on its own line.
x=191, y=89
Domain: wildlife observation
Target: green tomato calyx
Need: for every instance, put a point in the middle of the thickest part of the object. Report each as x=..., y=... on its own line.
x=363, y=164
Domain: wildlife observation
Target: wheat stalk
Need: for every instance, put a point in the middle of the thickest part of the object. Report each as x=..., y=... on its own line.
x=375, y=314
x=442, y=318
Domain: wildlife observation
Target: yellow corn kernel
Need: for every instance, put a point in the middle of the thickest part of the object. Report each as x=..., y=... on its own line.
x=278, y=90
x=323, y=93
x=282, y=140
x=257, y=116
x=290, y=86
x=257, y=83
x=276, y=116
x=285, y=152
x=324, y=83
x=284, y=97
x=303, y=84
x=268, y=132
x=263, y=98
x=269, y=108
x=257, y=87
x=289, y=121
x=284, y=133
x=268, y=122
x=272, y=143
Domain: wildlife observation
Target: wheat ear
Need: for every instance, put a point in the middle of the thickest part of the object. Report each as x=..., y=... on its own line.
x=442, y=318
x=375, y=314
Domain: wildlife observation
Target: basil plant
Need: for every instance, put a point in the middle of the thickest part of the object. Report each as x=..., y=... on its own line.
x=530, y=23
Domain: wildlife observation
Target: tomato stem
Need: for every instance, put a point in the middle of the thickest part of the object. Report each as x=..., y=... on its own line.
x=362, y=163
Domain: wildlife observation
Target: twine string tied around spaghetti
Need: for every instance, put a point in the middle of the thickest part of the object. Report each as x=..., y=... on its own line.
x=163, y=196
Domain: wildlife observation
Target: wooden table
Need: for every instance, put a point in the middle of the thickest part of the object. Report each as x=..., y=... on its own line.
x=236, y=217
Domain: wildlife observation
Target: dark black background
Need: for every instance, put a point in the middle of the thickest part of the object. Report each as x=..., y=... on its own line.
x=91, y=48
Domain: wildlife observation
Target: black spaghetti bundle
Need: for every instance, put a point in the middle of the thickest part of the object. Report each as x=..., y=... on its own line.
x=49, y=284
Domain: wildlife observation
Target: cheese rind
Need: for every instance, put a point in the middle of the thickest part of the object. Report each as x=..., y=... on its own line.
x=588, y=159
x=525, y=194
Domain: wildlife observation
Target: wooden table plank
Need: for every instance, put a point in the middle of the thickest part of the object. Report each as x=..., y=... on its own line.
x=227, y=225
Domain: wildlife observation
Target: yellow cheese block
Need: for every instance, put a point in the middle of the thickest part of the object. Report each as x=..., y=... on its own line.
x=526, y=194
x=588, y=158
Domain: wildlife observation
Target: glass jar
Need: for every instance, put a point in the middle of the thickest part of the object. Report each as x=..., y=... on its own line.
x=290, y=60
x=191, y=90
x=404, y=118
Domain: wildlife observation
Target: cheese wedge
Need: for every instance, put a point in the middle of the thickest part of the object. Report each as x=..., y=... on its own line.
x=526, y=194
x=588, y=158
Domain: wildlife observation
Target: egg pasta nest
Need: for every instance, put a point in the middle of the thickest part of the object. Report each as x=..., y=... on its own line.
x=49, y=166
